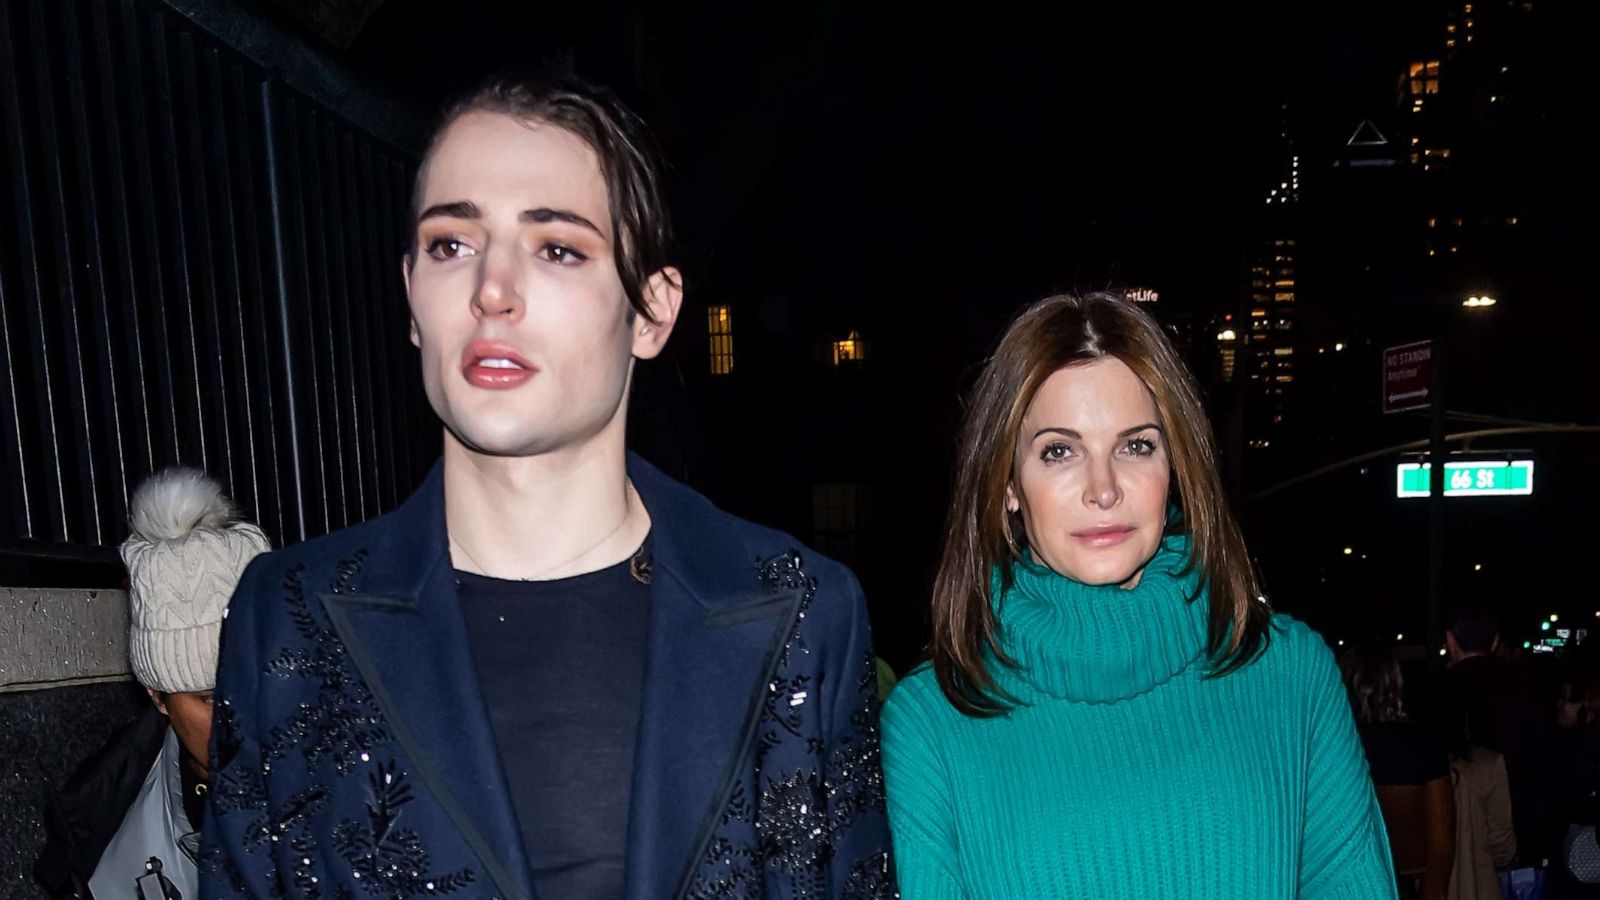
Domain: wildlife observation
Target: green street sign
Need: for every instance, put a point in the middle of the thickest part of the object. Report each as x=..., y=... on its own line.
x=1497, y=478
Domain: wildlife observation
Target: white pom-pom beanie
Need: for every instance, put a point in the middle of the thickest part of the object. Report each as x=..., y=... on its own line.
x=184, y=558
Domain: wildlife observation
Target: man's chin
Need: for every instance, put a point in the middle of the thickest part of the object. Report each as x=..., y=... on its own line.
x=504, y=443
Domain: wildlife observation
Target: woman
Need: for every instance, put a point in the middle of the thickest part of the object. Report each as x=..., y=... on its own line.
x=1410, y=770
x=1110, y=709
x=127, y=823
x=1486, y=837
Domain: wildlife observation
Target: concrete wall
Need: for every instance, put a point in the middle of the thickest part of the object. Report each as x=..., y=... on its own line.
x=50, y=637
x=64, y=690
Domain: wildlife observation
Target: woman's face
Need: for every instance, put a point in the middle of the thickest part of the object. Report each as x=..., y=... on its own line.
x=1090, y=474
x=190, y=714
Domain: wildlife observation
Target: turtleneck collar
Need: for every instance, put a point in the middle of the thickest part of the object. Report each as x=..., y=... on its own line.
x=1101, y=644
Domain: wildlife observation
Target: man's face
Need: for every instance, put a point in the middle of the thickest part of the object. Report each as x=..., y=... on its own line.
x=516, y=304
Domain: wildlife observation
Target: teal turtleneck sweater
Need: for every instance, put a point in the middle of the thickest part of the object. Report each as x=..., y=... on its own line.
x=1125, y=772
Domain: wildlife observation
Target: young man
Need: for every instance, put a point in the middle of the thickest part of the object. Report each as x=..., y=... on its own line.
x=553, y=672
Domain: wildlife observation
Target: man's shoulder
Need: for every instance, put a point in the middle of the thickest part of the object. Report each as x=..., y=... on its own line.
x=323, y=552
x=698, y=525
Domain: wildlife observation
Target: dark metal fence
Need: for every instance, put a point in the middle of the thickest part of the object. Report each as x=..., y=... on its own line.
x=198, y=265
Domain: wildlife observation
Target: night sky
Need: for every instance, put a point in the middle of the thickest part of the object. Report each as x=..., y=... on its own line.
x=923, y=175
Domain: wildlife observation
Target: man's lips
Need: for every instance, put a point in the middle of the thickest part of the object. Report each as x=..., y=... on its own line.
x=490, y=364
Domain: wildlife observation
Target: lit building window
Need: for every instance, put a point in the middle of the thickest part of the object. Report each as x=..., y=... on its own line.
x=1285, y=379
x=720, y=321
x=851, y=349
x=1423, y=77
x=1282, y=351
x=1283, y=297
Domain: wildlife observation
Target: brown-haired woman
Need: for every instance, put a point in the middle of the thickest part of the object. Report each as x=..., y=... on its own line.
x=1111, y=710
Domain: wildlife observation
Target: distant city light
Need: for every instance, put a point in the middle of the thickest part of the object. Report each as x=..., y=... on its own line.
x=1479, y=301
x=1349, y=550
x=1227, y=334
x=1554, y=617
x=1400, y=637
x=1338, y=347
x=1478, y=567
x=1544, y=626
x=1441, y=651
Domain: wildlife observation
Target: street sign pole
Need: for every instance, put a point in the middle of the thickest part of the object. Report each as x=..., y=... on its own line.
x=1436, y=456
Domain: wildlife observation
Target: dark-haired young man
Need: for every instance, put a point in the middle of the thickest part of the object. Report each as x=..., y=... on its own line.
x=553, y=672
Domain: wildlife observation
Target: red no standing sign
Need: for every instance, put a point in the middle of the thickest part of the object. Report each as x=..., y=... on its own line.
x=1407, y=376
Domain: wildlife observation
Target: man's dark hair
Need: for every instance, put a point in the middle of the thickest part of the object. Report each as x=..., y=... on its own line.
x=641, y=231
x=1475, y=629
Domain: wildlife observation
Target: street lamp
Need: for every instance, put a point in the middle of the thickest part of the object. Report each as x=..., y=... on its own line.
x=1479, y=301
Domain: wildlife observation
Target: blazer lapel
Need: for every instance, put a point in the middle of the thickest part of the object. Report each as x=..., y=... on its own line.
x=403, y=628
x=715, y=637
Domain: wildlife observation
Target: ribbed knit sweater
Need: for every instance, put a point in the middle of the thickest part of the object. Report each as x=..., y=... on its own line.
x=1124, y=771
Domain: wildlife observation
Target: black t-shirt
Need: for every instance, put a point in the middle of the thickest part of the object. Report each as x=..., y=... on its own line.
x=561, y=664
x=1404, y=752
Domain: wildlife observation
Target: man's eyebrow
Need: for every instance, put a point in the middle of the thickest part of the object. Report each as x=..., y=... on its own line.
x=545, y=214
x=460, y=209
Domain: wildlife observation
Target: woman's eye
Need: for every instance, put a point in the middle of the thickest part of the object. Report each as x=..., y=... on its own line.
x=1141, y=446
x=1055, y=452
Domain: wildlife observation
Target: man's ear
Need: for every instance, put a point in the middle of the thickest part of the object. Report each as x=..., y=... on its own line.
x=663, y=296
x=405, y=277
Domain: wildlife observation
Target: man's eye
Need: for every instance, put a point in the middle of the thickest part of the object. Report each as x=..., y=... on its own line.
x=561, y=254
x=442, y=248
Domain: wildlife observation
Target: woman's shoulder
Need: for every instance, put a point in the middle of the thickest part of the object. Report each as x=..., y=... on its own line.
x=1294, y=658
x=916, y=695
x=1293, y=646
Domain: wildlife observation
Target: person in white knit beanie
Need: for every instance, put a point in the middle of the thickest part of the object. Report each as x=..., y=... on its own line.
x=185, y=554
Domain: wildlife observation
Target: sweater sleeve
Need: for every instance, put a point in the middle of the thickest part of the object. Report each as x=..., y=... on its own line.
x=1344, y=848
x=921, y=812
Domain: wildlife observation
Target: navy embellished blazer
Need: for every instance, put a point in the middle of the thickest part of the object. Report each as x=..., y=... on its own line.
x=352, y=755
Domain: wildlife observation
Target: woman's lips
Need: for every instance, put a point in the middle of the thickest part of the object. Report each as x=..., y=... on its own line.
x=1104, y=536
